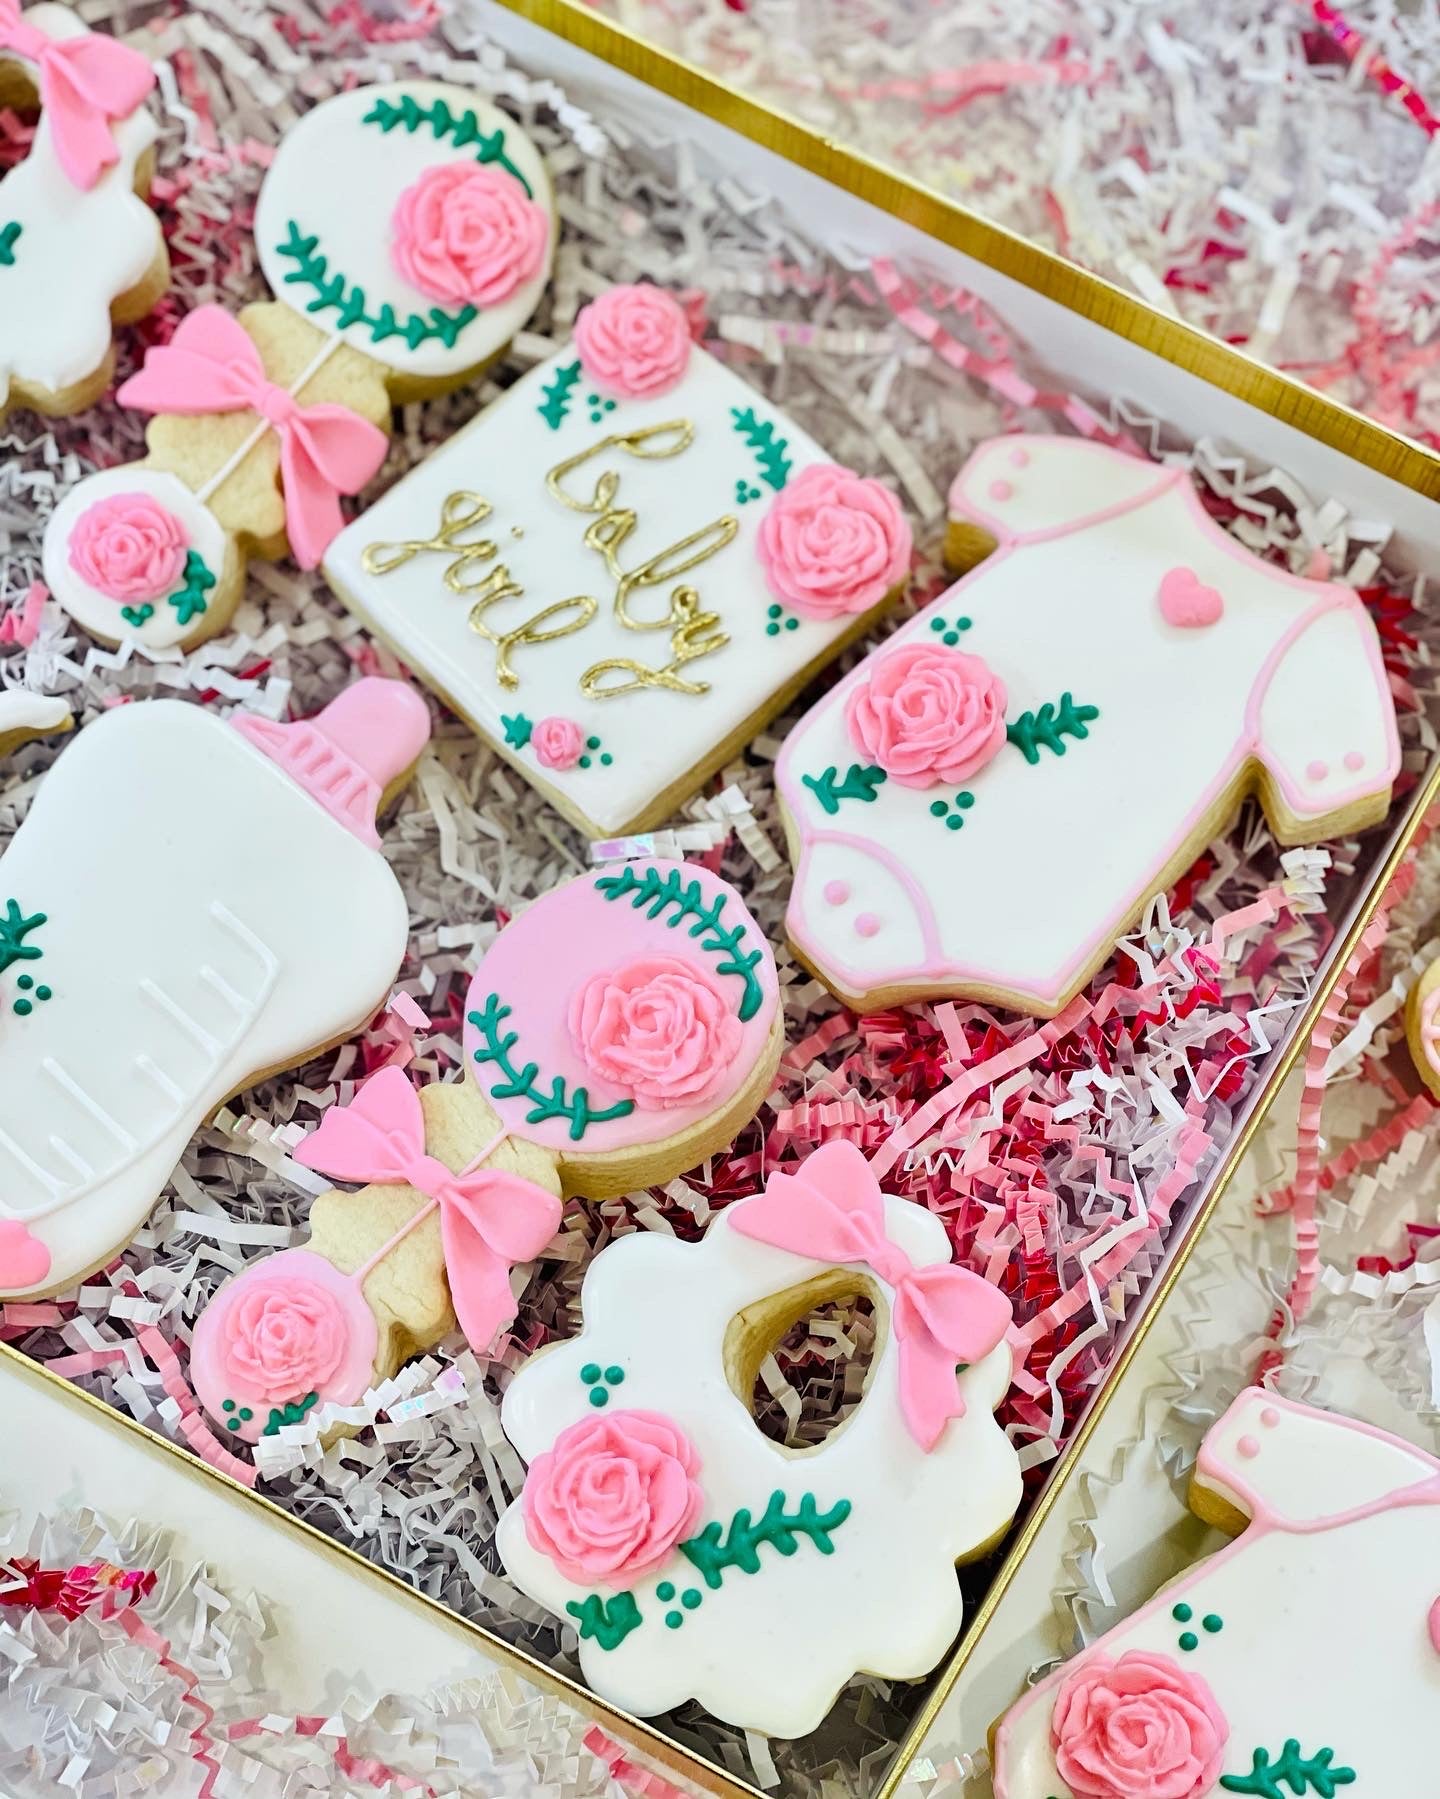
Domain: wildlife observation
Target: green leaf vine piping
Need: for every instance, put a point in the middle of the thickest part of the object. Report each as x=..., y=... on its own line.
x=609, y=1622
x=1048, y=726
x=294, y=1413
x=688, y=900
x=769, y=449
x=1301, y=1773
x=14, y=927
x=557, y=395
x=523, y=1083
x=190, y=601
x=740, y=1547
x=334, y=291
x=860, y=783
x=462, y=128
x=9, y=237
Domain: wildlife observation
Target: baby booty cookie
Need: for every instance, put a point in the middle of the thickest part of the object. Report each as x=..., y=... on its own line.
x=155, y=958
x=629, y=1022
x=24, y=715
x=80, y=251
x=985, y=804
x=1227, y=1682
x=408, y=232
x=453, y=1203
x=621, y=569
x=699, y=1559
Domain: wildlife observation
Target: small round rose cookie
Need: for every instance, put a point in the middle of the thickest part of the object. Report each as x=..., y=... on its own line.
x=1422, y=1027
x=629, y=1022
x=701, y=1560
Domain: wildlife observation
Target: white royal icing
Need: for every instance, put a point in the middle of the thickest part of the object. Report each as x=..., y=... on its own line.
x=1052, y=859
x=97, y=611
x=337, y=179
x=1317, y=1626
x=78, y=250
x=24, y=714
x=654, y=735
x=768, y=1650
x=204, y=920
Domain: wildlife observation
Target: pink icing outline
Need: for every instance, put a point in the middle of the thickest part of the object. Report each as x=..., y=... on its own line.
x=1264, y=1518
x=1328, y=596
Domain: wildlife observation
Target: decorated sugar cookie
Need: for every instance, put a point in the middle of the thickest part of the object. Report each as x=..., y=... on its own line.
x=453, y=1202
x=628, y=1022
x=1229, y=1681
x=988, y=800
x=622, y=568
x=698, y=1558
x=189, y=903
x=80, y=251
x=407, y=231
x=1422, y=1027
x=24, y=715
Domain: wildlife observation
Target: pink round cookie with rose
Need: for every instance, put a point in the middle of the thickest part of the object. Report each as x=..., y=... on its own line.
x=628, y=1022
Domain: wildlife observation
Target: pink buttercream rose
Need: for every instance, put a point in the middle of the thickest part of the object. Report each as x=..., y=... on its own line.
x=660, y=1028
x=129, y=548
x=833, y=542
x=1142, y=1727
x=633, y=341
x=557, y=742
x=283, y=1338
x=467, y=233
x=613, y=1496
x=927, y=714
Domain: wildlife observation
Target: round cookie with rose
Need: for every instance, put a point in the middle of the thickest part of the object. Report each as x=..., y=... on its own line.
x=628, y=1023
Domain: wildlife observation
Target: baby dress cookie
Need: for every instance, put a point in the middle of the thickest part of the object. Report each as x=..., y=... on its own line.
x=80, y=251
x=453, y=1203
x=698, y=1558
x=408, y=231
x=628, y=1022
x=1304, y=1658
x=189, y=904
x=620, y=570
x=984, y=805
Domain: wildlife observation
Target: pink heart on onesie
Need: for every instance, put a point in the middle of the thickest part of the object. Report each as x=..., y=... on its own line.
x=24, y=1260
x=1186, y=601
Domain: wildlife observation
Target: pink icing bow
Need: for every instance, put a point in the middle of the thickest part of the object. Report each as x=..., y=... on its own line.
x=832, y=1210
x=210, y=365
x=86, y=83
x=489, y=1219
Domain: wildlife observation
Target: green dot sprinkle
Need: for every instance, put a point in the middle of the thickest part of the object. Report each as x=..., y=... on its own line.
x=673, y=1620
x=690, y=1598
x=967, y=800
x=938, y=808
x=606, y=759
x=229, y=1406
x=592, y=399
x=599, y=1396
x=792, y=624
x=584, y=762
x=590, y=1373
x=951, y=638
x=246, y=1414
x=1188, y=1639
x=772, y=611
x=962, y=624
x=954, y=822
x=1182, y=1614
x=42, y=993
x=772, y=630
x=23, y=1008
x=665, y=1592
x=592, y=743
x=937, y=624
x=232, y=1424
x=26, y=981
x=614, y=1374
x=1212, y=1623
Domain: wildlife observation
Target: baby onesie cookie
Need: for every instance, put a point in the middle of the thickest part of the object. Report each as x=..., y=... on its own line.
x=984, y=805
x=407, y=230
x=698, y=1558
x=190, y=903
x=453, y=1203
x=1422, y=1027
x=1232, y=1679
x=80, y=251
x=621, y=569
x=628, y=1022
x=24, y=715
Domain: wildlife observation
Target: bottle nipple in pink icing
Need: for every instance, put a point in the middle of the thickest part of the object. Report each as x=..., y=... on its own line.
x=242, y=917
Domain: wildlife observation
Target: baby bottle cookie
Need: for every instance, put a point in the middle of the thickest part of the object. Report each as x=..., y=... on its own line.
x=453, y=1202
x=621, y=569
x=1227, y=1682
x=407, y=231
x=985, y=804
x=190, y=903
x=699, y=1559
x=80, y=251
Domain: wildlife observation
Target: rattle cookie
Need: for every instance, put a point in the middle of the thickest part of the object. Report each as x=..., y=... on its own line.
x=453, y=1202
x=698, y=1558
x=985, y=804
x=190, y=904
x=1304, y=1658
x=80, y=251
x=408, y=231
x=621, y=569
x=24, y=715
